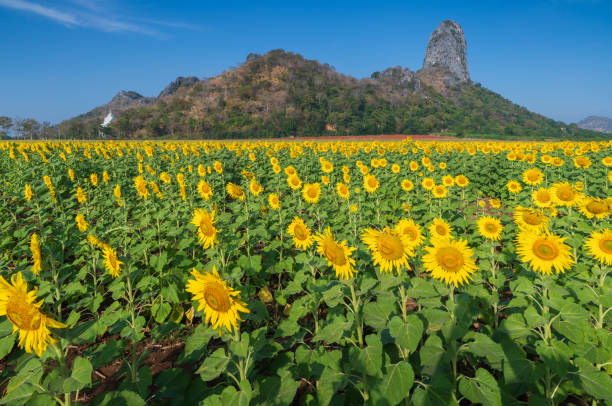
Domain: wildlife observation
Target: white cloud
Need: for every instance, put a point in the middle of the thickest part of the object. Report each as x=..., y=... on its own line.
x=40, y=10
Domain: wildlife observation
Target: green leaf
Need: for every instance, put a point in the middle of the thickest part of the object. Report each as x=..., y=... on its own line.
x=119, y=398
x=481, y=389
x=395, y=385
x=160, y=311
x=556, y=356
x=80, y=376
x=333, y=332
x=370, y=357
x=214, y=365
x=376, y=314
x=6, y=345
x=406, y=334
x=484, y=346
x=594, y=382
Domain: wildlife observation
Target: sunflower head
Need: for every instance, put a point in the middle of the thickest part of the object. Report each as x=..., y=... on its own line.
x=440, y=228
x=599, y=246
x=337, y=254
x=439, y=191
x=564, y=194
x=220, y=303
x=490, y=228
x=389, y=248
x=205, y=223
x=274, y=201
x=462, y=180
x=593, y=207
x=204, y=190
x=412, y=231
x=544, y=251
x=311, y=192
x=513, y=187
x=370, y=183
x=111, y=262
x=449, y=260
x=530, y=219
x=533, y=176
x=302, y=236
x=343, y=190
x=542, y=197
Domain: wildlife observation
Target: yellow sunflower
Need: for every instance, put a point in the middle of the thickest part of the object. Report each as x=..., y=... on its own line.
x=599, y=246
x=448, y=180
x=302, y=237
x=449, y=260
x=343, y=191
x=440, y=228
x=23, y=311
x=36, y=257
x=235, y=191
x=407, y=185
x=513, y=187
x=311, y=192
x=564, y=194
x=428, y=183
x=141, y=187
x=205, y=222
x=294, y=182
x=389, y=248
x=439, y=191
x=111, y=262
x=529, y=219
x=533, y=176
x=411, y=230
x=273, y=201
x=593, y=207
x=81, y=222
x=542, y=197
x=489, y=227
x=204, y=190
x=220, y=303
x=27, y=193
x=81, y=196
x=338, y=254
x=370, y=183
x=544, y=251
x=255, y=188
x=462, y=180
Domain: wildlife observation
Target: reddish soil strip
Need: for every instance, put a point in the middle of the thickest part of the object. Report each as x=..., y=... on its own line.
x=384, y=137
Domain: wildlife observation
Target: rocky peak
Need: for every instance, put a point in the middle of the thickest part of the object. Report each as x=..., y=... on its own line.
x=446, y=54
x=178, y=83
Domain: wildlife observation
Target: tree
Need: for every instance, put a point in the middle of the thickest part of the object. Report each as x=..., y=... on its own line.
x=6, y=123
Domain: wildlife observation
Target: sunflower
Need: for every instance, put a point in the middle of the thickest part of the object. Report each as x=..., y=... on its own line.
x=544, y=251
x=235, y=191
x=449, y=260
x=428, y=183
x=440, y=228
x=343, y=190
x=205, y=222
x=273, y=201
x=395, y=168
x=389, y=248
x=218, y=166
x=294, y=182
x=489, y=227
x=407, y=185
x=201, y=170
x=411, y=230
x=593, y=207
x=439, y=191
x=94, y=179
x=495, y=203
x=27, y=193
x=255, y=188
x=607, y=161
x=599, y=246
x=141, y=187
x=311, y=192
x=204, y=190
x=462, y=180
x=582, y=162
x=81, y=222
x=513, y=187
x=302, y=237
x=338, y=254
x=111, y=262
x=327, y=167
x=414, y=166
x=165, y=177
x=530, y=219
x=220, y=303
x=370, y=183
x=448, y=180
x=36, y=257
x=22, y=310
x=564, y=194
x=533, y=176
x=542, y=197
x=290, y=171
x=81, y=196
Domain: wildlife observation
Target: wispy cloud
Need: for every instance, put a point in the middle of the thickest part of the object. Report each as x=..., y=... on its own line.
x=92, y=14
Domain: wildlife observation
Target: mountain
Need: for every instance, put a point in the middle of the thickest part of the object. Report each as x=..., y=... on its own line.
x=282, y=94
x=597, y=123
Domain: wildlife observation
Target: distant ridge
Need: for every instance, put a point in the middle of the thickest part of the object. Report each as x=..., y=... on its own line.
x=597, y=123
x=282, y=94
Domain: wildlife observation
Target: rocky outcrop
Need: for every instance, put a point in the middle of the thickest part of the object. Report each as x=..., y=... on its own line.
x=177, y=84
x=596, y=123
x=128, y=99
x=445, y=62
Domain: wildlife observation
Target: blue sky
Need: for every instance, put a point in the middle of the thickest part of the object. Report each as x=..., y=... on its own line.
x=62, y=58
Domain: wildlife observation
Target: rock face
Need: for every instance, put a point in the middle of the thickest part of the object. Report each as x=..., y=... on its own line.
x=446, y=54
x=596, y=123
x=127, y=98
x=178, y=83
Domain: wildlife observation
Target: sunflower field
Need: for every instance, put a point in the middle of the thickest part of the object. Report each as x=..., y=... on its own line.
x=305, y=273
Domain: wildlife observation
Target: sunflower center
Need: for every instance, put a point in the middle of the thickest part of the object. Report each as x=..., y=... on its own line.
x=450, y=259
x=299, y=232
x=440, y=229
x=312, y=193
x=205, y=227
x=533, y=176
x=490, y=227
x=334, y=253
x=545, y=250
x=543, y=196
x=411, y=233
x=22, y=314
x=565, y=194
x=532, y=218
x=372, y=182
x=596, y=207
x=605, y=244
x=390, y=247
x=112, y=259
x=217, y=298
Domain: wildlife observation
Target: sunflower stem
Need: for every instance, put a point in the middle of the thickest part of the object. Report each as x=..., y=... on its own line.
x=358, y=322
